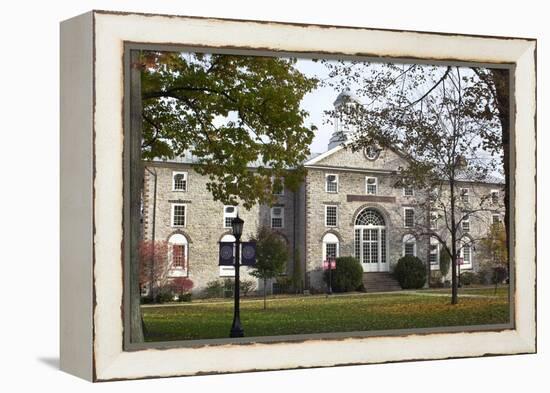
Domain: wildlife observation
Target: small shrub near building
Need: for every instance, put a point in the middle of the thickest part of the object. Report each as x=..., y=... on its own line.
x=224, y=288
x=410, y=272
x=282, y=284
x=348, y=275
x=468, y=278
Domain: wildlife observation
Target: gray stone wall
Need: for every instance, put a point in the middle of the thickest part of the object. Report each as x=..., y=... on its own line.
x=352, y=184
x=204, y=220
x=304, y=214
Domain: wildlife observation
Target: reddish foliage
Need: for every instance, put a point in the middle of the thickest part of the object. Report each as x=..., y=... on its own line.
x=182, y=284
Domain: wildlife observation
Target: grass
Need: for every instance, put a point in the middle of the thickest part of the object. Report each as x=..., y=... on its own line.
x=318, y=314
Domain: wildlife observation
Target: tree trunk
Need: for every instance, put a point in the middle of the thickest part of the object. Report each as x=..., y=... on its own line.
x=454, y=278
x=501, y=78
x=135, y=182
x=265, y=294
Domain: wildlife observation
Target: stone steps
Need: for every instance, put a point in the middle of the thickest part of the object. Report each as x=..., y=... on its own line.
x=380, y=282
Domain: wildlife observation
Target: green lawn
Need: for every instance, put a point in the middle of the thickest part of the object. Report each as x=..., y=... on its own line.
x=318, y=314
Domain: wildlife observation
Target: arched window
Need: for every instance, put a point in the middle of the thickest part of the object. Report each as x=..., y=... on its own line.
x=178, y=253
x=409, y=245
x=370, y=240
x=331, y=246
x=370, y=217
x=467, y=253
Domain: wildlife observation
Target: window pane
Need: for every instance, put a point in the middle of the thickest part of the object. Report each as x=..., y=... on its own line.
x=180, y=183
x=409, y=218
x=179, y=215
x=331, y=216
x=330, y=251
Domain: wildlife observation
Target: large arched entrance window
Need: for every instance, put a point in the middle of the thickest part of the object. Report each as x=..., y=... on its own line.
x=370, y=240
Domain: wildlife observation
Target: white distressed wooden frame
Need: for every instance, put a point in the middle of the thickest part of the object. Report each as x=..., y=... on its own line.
x=92, y=89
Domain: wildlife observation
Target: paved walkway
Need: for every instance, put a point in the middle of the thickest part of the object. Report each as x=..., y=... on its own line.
x=353, y=294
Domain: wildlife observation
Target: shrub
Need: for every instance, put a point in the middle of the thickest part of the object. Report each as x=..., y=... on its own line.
x=164, y=296
x=410, y=272
x=247, y=286
x=182, y=285
x=499, y=274
x=348, y=275
x=436, y=280
x=214, y=288
x=444, y=262
x=184, y=297
x=467, y=278
x=284, y=284
x=228, y=287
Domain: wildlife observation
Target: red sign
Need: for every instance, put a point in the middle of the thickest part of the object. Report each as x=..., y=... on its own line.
x=330, y=264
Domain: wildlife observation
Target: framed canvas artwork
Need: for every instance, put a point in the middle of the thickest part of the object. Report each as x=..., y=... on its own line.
x=249, y=195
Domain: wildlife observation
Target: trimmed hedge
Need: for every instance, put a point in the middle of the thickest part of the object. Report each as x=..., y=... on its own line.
x=410, y=272
x=348, y=275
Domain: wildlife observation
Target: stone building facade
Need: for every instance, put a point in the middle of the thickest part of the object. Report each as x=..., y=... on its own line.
x=348, y=204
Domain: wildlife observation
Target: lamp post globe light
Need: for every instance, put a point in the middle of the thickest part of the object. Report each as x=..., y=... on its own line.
x=236, y=328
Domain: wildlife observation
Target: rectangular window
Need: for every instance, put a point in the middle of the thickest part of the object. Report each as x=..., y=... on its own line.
x=178, y=255
x=331, y=183
x=229, y=213
x=466, y=224
x=409, y=249
x=331, y=251
x=408, y=191
x=371, y=185
x=494, y=197
x=179, y=181
x=433, y=220
x=178, y=215
x=331, y=216
x=465, y=195
x=434, y=254
x=409, y=217
x=277, y=186
x=277, y=217
x=467, y=254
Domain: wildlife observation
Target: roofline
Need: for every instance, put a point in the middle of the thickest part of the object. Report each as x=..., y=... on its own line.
x=324, y=155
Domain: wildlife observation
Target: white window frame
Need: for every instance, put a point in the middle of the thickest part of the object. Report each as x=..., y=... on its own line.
x=326, y=216
x=466, y=220
x=465, y=194
x=405, y=217
x=367, y=178
x=471, y=263
x=408, y=239
x=282, y=217
x=337, y=183
x=405, y=191
x=434, y=219
x=185, y=176
x=225, y=215
x=178, y=239
x=330, y=238
x=497, y=192
x=172, y=209
x=434, y=266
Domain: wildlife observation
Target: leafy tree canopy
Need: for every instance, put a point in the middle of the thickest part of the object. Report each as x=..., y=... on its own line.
x=439, y=117
x=230, y=112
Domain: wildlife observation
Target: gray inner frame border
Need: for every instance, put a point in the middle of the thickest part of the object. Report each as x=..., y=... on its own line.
x=127, y=135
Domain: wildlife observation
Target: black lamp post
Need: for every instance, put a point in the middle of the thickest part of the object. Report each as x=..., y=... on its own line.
x=236, y=329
